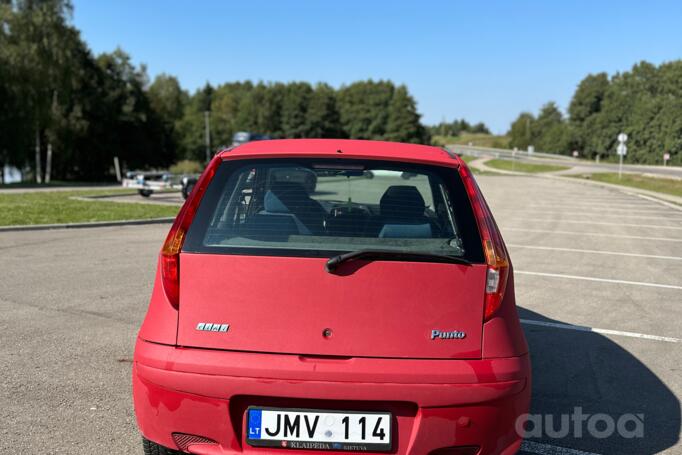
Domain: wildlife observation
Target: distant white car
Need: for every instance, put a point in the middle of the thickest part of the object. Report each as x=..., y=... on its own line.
x=147, y=182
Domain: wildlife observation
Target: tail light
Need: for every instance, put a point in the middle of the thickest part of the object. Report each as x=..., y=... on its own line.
x=170, y=253
x=496, y=256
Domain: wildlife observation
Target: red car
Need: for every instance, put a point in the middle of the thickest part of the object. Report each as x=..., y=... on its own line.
x=337, y=295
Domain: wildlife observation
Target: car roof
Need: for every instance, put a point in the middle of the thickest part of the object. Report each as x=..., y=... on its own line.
x=343, y=148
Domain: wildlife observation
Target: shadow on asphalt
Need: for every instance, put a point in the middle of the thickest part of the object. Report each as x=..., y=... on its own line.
x=587, y=370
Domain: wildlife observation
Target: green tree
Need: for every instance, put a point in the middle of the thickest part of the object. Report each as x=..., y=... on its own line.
x=403, y=120
x=15, y=120
x=37, y=47
x=550, y=132
x=294, y=109
x=168, y=101
x=322, y=118
x=585, y=106
x=457, y=127
x=521, y=131
x=226, y=104
x=588, y=97
x=271, y=112
x=134, y=131
x=167, y=98
x=191, y=126
x=363, y=107
x=480, y=128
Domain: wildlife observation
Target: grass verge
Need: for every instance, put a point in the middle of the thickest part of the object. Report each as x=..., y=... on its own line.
x=476, y=139
x=58, y=207
x=469, y=158
x=53, y=184
x=520, y=166
x=661, y=185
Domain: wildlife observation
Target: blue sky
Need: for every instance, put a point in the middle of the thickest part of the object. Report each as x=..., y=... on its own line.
x=481, y=60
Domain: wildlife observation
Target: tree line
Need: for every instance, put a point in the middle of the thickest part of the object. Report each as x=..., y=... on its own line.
x=645, y=103
x=457, y=127
x=377, y=110
x=62, y=106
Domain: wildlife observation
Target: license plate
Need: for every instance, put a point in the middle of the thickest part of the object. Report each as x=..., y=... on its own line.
x=319, y=430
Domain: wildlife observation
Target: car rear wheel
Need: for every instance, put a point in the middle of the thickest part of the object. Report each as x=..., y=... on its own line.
x=152, y=448
x=145, y=193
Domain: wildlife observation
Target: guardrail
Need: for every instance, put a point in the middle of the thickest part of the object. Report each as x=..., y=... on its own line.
x=474, y=150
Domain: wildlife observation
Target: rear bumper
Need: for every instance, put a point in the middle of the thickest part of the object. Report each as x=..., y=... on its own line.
x=436, y=403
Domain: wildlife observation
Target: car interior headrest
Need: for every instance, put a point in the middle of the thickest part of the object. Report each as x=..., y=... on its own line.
x=402, y=202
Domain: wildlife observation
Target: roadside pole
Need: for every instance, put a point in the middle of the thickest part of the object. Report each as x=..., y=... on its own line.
x=207, y=135
x=39, y=171
x=48, y=163
x=117, y=167
x=622, y=150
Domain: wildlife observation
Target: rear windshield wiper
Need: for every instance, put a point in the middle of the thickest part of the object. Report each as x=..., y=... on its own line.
x=336, y=261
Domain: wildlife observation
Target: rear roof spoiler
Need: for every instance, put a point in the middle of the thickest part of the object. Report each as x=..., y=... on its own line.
x=451, y=154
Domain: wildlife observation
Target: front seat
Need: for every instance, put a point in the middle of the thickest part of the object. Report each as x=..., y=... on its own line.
x=402, y=212
x=296, y=199
x=275, y=223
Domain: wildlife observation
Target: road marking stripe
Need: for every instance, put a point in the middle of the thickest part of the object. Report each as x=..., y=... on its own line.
x=594, y=234
x=577, y=250
x=547, y=449
x=583, y=198
x=658, y=201
x=554, y=199
x=654, y=226
x=578, y=199
x=615, y=206
x=600, y=214
x=583, y=328
x=600, y=280
x=607, y=208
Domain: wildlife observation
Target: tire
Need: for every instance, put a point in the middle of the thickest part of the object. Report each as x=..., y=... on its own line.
x=152, y=448
x=145, y=193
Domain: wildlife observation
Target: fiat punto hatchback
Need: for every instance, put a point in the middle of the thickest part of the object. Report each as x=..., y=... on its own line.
x=335, y=295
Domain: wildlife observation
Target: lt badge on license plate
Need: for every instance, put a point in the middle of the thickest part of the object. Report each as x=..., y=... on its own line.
x=318, y=430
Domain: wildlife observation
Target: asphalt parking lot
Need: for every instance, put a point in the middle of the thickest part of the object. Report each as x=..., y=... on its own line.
x=598, y=281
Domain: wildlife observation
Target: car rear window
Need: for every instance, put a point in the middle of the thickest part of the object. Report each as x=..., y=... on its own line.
x=320, y=208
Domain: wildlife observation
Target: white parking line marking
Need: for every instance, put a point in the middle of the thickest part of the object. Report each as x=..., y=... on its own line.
x=578, y=199
x=582, y=201
x=585, y=198
x=599, y=214
x=547, y=449
x=583, y=328
x=602, y=223
x=593, y=234
x=609, y=208
x=597, y=208
x=577, y=250
x=658, y=201
x=600, y=280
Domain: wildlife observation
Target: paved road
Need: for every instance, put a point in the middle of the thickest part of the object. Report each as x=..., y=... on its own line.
x=71, y=302
x=161, y=198
x=562, y=237
x=582, y=166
